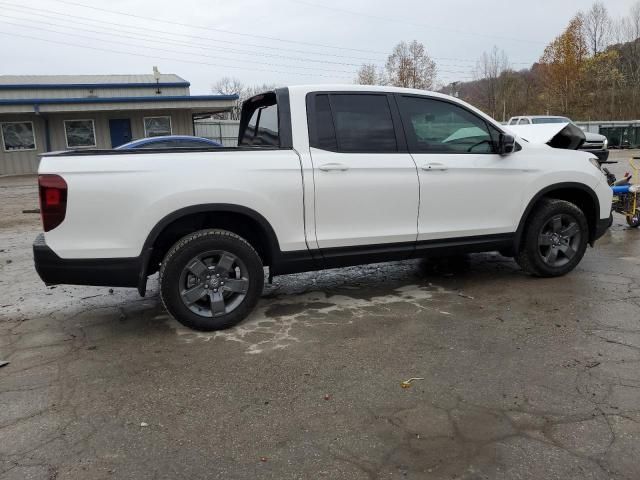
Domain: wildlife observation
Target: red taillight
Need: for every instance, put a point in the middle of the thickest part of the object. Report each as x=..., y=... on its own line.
x=53, y=200
x=52, y=197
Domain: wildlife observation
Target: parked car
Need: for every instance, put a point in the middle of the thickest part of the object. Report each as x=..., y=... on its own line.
x=594, y=143
x=169, y=141
x=324, y=176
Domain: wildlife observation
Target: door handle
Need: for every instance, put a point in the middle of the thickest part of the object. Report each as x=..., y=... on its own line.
x=327, y=167
x=429, y=167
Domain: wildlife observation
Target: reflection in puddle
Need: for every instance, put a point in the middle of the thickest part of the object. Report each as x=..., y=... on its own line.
x=270, y=326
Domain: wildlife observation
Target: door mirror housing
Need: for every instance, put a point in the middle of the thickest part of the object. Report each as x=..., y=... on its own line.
x=506, y=144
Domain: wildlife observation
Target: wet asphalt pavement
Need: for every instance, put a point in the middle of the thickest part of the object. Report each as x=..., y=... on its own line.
x=521, y=378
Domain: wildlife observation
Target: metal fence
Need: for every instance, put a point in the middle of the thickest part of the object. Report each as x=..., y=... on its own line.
x=621, y=134
x=223, y=131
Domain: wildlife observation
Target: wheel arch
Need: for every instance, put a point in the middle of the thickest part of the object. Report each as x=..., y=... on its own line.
x=242, y=221
x=581, y=195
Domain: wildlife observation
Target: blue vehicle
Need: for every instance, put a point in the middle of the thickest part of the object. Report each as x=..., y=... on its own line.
x=169, y=141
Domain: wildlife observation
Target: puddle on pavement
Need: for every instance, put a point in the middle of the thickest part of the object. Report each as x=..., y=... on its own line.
x=283, y=309
x=270, y=327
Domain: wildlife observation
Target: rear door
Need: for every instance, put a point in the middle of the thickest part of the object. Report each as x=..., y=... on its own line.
x=366, y=183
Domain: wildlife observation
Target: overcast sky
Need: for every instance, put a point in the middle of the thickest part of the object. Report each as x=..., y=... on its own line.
x=271, y=41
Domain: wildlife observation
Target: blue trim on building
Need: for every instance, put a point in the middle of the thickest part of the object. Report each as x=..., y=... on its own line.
x=157, y=98
x=68, y=86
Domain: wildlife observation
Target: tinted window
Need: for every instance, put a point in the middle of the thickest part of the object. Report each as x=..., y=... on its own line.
x=435, y=126
x=324, y=136
x=363, y=123
x=513, y=121
x=523, y=121
x=262, y=126
x=268, y=121
x=253, y=122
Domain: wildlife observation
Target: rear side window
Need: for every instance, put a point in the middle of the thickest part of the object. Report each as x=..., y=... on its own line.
x=261, y=128
x=363, y=123
x=523, y=121
x=353, y=123
x=325, y=131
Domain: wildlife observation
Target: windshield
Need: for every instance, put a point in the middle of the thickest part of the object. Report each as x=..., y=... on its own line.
x=537, y=121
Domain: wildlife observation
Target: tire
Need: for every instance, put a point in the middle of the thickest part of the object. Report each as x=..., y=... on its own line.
x=211, y=280
x=634, y=220
x=554, y=240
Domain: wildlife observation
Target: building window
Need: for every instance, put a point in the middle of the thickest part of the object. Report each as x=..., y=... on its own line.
x=157, y=126
x=18, y=136
x=80, y=133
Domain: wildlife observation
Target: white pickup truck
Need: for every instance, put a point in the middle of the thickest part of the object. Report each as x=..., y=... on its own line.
x=324, y=176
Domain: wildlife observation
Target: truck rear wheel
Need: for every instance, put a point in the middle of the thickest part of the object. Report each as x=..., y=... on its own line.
x=211, y=280
x=554, y=239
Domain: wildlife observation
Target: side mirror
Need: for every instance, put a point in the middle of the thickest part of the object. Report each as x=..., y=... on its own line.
x=506, y=144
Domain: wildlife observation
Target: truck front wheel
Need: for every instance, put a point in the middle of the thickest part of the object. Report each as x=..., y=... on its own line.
x=554, y=240
x=211, y=280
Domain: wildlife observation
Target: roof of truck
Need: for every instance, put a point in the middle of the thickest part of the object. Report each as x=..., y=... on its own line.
x=304, y=89
x=328, y=87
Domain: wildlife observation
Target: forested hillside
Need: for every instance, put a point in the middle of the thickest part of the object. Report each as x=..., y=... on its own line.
x=591, y=71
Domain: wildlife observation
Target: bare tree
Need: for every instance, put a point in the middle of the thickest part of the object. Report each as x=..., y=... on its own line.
x=597, y=27
x=628, y=37
x=629, y=29
x=233, y=86
x=230, y=86
x=368, y=75
x=409, y=65
x=491, y=72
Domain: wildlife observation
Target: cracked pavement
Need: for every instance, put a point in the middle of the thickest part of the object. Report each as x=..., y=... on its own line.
x=523, y=378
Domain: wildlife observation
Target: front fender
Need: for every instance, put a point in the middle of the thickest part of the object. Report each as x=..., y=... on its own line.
x=563, y=187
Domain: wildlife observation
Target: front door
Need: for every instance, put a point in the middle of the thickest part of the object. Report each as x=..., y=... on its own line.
x=120, y=130
x=466, y=188
x=366, y=188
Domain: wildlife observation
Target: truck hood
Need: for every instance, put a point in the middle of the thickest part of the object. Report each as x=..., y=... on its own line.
x=556, y=135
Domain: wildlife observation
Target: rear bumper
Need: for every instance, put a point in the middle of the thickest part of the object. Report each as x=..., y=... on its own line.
x=601, y=154
x=104, y=272
x=602, y=226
